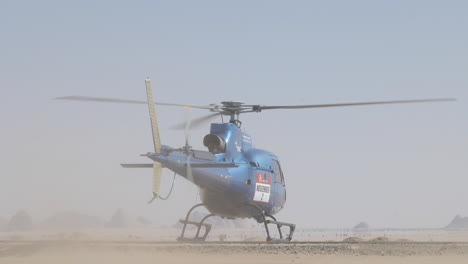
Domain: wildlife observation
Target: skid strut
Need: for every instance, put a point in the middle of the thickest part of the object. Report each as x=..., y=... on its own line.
x=199, y=225
x=279, y=225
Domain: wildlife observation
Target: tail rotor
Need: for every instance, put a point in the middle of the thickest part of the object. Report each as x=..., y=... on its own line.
x=156, y=141
x=187, y=147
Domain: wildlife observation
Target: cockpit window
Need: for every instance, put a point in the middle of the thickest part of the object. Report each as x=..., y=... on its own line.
x=278, y=173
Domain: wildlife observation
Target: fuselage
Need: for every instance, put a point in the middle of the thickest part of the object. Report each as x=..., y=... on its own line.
x=235, y=179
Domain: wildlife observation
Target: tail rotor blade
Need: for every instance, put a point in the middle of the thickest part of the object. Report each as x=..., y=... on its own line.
x=189, y=169
x=195, y=123
x=156, y=140
x=152, y=113
x=187, y=142
x=187, y=124
x=157, y=168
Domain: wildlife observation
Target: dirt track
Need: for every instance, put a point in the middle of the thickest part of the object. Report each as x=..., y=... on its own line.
x=253, y=252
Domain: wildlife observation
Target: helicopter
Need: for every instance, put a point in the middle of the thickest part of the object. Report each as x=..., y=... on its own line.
x=235, y=179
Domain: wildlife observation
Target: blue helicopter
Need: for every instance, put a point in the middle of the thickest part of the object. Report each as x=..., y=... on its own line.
x=235, y=179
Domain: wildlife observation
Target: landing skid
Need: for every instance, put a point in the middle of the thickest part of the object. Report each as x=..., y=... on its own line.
x=199, y=225
x=261, y=219
x=279, y=225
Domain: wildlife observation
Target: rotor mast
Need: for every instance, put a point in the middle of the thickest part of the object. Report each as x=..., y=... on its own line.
x=233, y=110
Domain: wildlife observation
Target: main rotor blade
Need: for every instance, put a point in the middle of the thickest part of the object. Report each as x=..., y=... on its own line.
x=195, y=122
x=266, y=107
x=123, y=101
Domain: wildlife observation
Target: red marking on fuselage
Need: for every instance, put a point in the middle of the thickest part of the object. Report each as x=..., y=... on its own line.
x=263, y=178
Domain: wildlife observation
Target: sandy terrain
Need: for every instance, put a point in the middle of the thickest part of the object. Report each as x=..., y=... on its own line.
x=235, y=234
x=135, y=245
x=51, y=252
x=117, y=258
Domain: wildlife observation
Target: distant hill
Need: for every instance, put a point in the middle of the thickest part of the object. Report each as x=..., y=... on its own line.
x=120, y=219
x=458, y=222
x=362, y=226
x=3, y=223
x=71, y=221
x=142, y=220
x=21, y=221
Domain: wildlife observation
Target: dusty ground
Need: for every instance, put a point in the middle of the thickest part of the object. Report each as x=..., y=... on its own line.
x=51, y=252
x=235, y=234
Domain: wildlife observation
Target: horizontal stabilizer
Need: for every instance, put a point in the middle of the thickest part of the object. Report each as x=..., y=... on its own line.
x=137, y=165
x=213, y=165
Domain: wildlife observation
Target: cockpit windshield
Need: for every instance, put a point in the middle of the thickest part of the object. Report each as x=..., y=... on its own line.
x=278, y=173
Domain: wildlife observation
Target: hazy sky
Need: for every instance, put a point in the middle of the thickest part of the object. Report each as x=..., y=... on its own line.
x=392, y=166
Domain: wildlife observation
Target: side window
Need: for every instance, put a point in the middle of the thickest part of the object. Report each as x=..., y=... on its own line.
x=278, y=173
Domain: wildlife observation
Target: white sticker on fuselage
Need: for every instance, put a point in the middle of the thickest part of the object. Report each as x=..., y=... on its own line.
x=262, y=193
x=262, y=187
